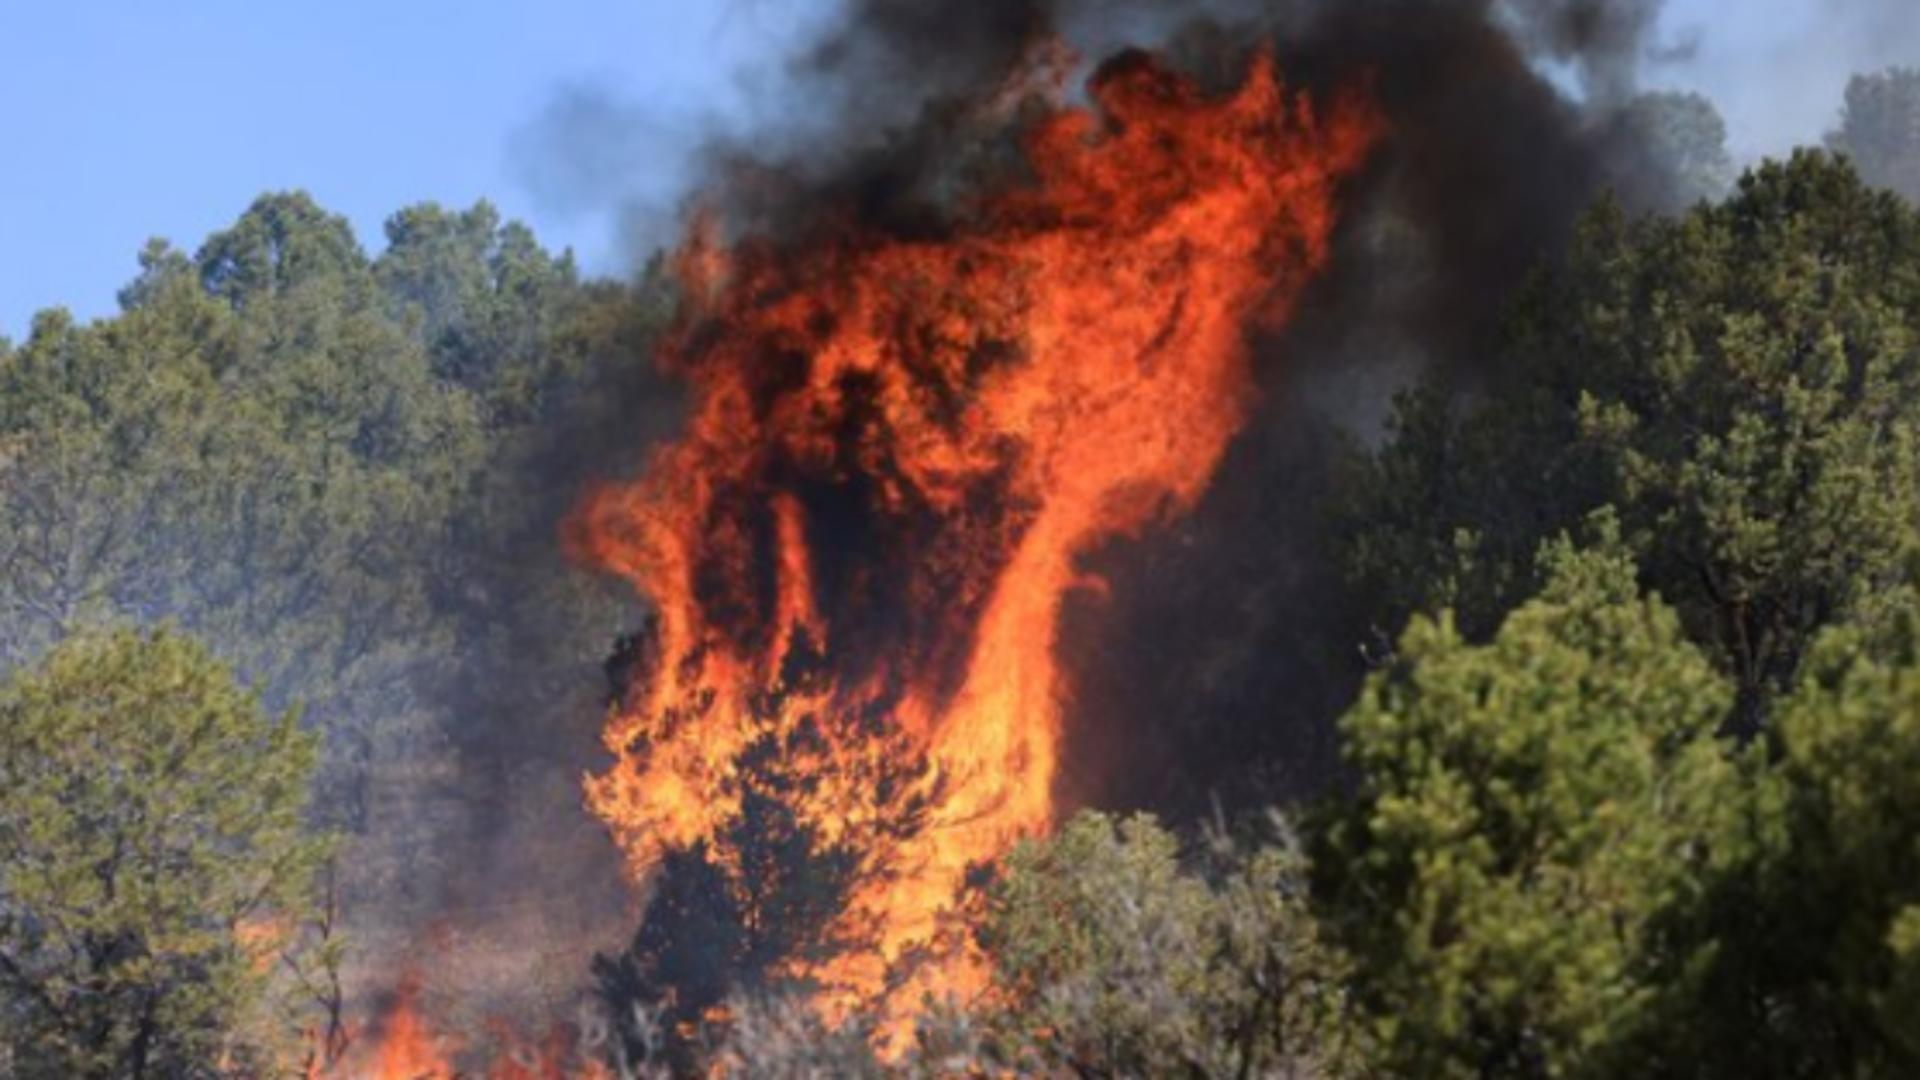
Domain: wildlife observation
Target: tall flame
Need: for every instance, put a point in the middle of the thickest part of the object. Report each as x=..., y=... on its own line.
x=898, y=446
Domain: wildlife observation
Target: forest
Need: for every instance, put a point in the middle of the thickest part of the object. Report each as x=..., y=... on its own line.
x=1625, y=714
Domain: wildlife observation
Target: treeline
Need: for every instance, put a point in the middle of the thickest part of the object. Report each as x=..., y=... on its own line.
x=314, y=460
x=1635, y=791
x=342, y=474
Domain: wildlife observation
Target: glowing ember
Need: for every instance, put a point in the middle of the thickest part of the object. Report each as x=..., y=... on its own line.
x=897, y=449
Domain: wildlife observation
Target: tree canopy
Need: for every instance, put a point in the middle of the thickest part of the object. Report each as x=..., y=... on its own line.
x=343, y=473
x=1530, y=814
x=1739, y=384
x=154, y=854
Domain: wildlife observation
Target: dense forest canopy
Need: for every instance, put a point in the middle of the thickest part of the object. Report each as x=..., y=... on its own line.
x=1631, y=779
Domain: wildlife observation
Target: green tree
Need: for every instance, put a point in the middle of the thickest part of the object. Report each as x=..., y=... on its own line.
x=1115, y=959
x=151, y=814
x=254, y=449
x=344, y=476
x=1740, y=383
x=1880, y=129
x=1535, y=820
x=498, y=314
x=1817, y=968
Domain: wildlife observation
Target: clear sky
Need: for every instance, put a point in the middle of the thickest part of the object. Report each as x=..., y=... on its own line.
x=124, y=119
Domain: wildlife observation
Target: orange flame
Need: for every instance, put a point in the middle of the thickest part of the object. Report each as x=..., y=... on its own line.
x=408, y=1048
x=897, y=449
x=403, y=1046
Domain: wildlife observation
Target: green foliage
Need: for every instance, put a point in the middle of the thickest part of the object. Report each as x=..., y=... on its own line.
x=1550, y=867
x=1113, y=959
x=253, y=449
x=1817, y=973
x=325, y=466
x=1530, y=814
x=1740, y=384
x=1880, y=129
x=344, y=475
x=490, y=303
x=150, y=812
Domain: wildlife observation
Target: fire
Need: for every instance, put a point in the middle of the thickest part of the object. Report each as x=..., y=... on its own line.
x=401, y=1046
x=897, y=449
x=408, y=1049
x=404, y=1046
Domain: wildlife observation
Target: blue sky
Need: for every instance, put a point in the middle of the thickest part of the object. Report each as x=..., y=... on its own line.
x=124, y=119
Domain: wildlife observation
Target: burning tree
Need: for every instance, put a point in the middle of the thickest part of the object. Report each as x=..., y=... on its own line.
x=760, y=906
x=898, y=449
